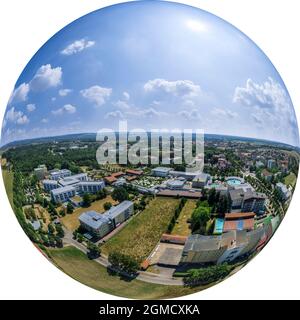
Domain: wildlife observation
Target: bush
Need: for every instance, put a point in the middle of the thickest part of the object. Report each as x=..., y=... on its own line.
x=123, y=263
x=204, y=276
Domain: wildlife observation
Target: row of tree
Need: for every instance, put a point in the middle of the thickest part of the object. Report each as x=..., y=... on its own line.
x=207, y=275
x=176, y=214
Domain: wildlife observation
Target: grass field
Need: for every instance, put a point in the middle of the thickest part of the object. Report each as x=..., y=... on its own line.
x=290, y=180
x=71, y=222
x=76, y=264
x=182, y=226
x=141, y=234
x=8, y=183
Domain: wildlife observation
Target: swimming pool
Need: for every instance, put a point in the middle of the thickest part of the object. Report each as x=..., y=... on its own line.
x=233, y=182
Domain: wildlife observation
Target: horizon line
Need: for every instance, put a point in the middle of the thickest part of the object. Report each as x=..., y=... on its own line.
x=93, y=132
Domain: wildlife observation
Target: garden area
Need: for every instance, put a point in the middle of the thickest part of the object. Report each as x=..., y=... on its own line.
x=141, y=234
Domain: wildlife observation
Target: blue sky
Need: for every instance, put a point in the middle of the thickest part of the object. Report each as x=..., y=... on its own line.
x=156, y=65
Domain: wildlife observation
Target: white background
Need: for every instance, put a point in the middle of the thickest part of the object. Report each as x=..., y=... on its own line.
x=26, y=25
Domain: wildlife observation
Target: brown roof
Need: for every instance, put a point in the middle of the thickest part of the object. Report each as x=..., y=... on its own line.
x=131, y=178
x=145, y=264
x=180, y=193
x=169, y=237
x=110, y=179
x=247, y=224
x=117, y=174
x=134, y=172
x=239, y=215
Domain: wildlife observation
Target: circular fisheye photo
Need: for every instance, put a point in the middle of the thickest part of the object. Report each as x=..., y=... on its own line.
x=149, y=150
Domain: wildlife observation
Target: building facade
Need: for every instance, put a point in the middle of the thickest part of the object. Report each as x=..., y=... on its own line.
x=63, y=194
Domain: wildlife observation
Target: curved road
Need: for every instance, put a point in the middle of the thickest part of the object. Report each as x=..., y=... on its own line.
x=142, y=276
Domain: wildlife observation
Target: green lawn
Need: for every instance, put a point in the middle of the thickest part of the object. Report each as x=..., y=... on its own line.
x=290, y=180
x=75, y=263
x=8, y=183
x=141, y=234
x=182, y=227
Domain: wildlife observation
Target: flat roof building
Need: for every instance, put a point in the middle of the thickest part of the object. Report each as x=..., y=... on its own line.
x=100, y=225
x=49, y=185
x=63, y=194
x=201, y=180
x=41, y=171
x=161, y=171
x=59, y=174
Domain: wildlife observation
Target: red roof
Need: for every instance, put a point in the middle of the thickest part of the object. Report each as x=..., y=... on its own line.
x=134, y=172
x=238, y=224
x=117, y=174
x=145, y=264
x=171, y=238
x=179, y=193
x=239, y=215
x=110, y=179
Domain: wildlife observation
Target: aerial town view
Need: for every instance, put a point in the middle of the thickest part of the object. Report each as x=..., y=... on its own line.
x=149, y=230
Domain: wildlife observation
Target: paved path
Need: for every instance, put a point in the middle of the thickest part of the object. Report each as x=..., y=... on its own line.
x=142, y=276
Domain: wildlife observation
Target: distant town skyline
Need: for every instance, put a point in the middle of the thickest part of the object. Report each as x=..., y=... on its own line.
x=156, y=65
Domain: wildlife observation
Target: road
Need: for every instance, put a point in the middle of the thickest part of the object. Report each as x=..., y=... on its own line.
x=142, y=276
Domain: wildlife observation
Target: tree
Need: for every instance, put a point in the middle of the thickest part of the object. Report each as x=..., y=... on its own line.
x=58, y=242
x=123, y=263
x=70, y=208
x=86, y=200
x=223, y=205
x=203, y=276
x=59, y=231
x=120, y=194
x=94, y=250
x=200, y=217
x=51, y=229
x=211, y=199
x=107, y=205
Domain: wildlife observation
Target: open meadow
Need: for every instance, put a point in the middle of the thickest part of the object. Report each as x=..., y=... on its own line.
x=141, y=234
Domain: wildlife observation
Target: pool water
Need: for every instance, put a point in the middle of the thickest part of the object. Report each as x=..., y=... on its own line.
x=233, y=182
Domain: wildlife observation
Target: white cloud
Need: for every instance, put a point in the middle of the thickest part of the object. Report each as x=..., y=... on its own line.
x=68, y=108
x=44, y=120
x=224, y=113
x=150, y=113
x=77, y=46
x=20, y=93
x=190, y=115
x=271, y=109
x=22, y=120
x=97, y=95
x=46, y=77
x=64, y=92
x=179, y=88
x=114, y=114
x=15, y=116
x=268, y=95
x=30, y=107
x=53, y=99
x=146, y=113
x=122, y=105
x=126, y=95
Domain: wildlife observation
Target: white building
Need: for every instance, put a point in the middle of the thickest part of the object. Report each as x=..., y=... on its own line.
x=285, y=193
x=100, y=225
x=160, y=171
x=59, y=174
x=50, y=185
x=41, y=171
x=90, y=186
x=271, y=163
x=201, y=180
x=63, y=194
